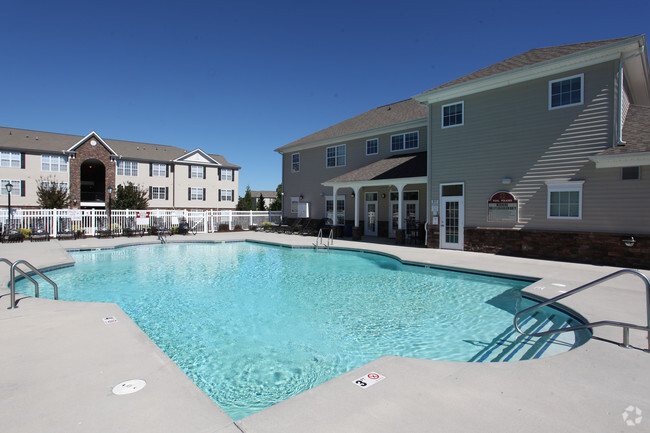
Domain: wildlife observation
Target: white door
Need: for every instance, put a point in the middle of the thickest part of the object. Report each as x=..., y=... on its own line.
x=394, y=217
x=451, y=223
x=410, y=210
x=371, y=218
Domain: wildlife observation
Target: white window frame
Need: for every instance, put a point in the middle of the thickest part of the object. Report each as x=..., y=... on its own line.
x=462, y=114
x=582, y=91
x=48, y=184
x=295, y=165
x=226, y=174
x=403, y=144
x=558, y=187
x=158, y=193
x=15, y=187
x=376, y=152
x=227, y=195
x=339, y=215
x=48, y=162
x=196, y=194
x=197, y=171
x=336, y=157
x=10, y=159
x=126, y=168
x=158, y=170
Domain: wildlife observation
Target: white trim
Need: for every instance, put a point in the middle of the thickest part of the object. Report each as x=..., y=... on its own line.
x=621, y=160
x=291, y=202
x=570, y=186
x=403, y=134
x=377, y=182
x=336, y=156
x=582, y=91
x=292, y=155
x=442, y=115
x=377, y=152
x=183, y=158
x=92, y=134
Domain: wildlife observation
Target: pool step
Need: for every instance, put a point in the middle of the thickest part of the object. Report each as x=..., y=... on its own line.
x=510, y=345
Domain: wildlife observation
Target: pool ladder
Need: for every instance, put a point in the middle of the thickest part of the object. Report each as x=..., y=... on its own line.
x=626, y=326
x=320, y=243
x=14, y=268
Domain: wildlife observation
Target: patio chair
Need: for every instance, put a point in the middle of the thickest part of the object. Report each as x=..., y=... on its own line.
x=299, y=227
x=65, y=229
x=289, y=228
x=38, y=231
x=159, y=225
x=312, y=227
x=131, y=228
x=183, y=227
x=103, y=229
x=12, y=233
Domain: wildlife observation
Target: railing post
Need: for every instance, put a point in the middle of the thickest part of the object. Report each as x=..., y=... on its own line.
x=92, y=222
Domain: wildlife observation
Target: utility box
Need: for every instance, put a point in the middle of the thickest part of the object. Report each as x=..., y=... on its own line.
x=303, y=210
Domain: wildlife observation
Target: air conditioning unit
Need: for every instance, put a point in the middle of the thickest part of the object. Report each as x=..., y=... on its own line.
x=303, y=210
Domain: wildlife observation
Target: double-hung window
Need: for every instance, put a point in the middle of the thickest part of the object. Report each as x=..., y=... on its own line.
x=54, y=163
x=226, y=174
x=159, y=170
x=63, y=186
x=409, y=140
x=566, y=92
x=372, y=146
x=452, y=114
x=294, y=204
x=197, y=172
x=127, y=168
x=197, y=194
x=226, y=195
x=10, y=159
x=16, y=187
x=158, y=193
x=295, y=163
x=564, y=200
x=336, y=156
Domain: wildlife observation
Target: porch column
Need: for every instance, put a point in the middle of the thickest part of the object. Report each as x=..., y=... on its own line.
x=400, y=236
x=356, y=205
x=335, y=190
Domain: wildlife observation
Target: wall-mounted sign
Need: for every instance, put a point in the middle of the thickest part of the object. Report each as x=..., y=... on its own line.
x=503, y=207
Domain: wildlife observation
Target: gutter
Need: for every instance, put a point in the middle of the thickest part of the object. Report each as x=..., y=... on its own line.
x=619, y=141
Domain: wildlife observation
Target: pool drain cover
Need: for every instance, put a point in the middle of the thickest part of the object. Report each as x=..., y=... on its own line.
x=129, y=387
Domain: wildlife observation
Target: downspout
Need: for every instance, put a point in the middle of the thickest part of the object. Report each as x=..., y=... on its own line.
x=619, y=141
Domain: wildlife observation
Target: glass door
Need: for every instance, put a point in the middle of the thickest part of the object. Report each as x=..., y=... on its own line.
x=371, y=214
x=452, y=218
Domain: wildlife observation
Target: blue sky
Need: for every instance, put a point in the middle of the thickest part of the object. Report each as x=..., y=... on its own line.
x=243, y=78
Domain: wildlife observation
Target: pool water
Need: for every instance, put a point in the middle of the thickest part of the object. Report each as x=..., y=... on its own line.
x=254, y=324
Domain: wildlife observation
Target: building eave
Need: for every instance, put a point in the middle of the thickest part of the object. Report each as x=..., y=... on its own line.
x=621, y=160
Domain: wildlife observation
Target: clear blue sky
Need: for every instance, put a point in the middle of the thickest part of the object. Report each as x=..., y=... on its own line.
x=241, y=78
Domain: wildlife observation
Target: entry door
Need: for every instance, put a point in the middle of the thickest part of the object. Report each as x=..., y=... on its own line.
x=411, y=210
x=451, y=224
x=371, y=218
x=394, y=218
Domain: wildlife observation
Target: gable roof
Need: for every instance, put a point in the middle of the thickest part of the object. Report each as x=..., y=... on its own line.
x=97, y=138
x=380, y=117
x=393, y=167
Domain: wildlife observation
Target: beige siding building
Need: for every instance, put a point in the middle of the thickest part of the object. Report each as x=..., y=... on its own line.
x=174, y=178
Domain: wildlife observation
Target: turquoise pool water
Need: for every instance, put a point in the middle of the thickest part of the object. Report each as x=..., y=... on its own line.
x=253, y=324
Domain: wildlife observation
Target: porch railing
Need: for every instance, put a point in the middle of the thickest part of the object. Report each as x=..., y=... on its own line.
x=88, y=220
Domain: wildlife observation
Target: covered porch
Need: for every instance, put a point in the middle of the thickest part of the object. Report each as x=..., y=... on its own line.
x=388, y=198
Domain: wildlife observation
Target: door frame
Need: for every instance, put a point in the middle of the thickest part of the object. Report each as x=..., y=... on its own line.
x=367, y=219
x=460, y=200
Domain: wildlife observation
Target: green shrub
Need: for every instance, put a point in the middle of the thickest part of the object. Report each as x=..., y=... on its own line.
x=237, y=226
x=26, y=232
x=223, y=227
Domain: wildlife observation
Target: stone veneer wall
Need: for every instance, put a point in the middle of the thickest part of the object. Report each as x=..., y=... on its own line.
x=605, y=249
x=84, y=152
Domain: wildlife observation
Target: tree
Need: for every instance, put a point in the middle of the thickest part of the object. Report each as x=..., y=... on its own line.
x=260, y=203
x=277, y=204
x=129, y=196
x=52, y=195
x=246, y=202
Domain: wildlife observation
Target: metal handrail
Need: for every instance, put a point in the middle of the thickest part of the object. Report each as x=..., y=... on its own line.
x=14, y=268
x=319, y=239
x=626, y=326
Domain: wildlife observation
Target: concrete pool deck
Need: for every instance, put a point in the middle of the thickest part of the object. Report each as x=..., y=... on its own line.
x=59, y=362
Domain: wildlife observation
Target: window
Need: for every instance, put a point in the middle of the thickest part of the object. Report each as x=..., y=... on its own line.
x=226, y=174
x=372, y=146
x=410, y=140
x=16, y=190
x=10, y=159
x=62, y=185
x=197, y=172
x=295, y=163
x=336, y=156
x=159, y=170
x=54, y=163
x=197, y=194
x=158, y=193
x=294, y=204
x=565, y=92
x=452, y=114
x=227, y=195
x=565, y=200
x=127, y=168
x=631, y=173
x=339, y=219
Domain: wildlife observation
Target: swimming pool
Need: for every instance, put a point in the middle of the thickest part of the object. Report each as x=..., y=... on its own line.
x=253, y=324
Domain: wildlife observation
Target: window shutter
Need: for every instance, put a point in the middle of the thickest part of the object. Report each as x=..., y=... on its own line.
x=219, y=173
x=189, y=171
x=150, y=192
x=166, y=193
x=171, y=168
x=219, y=197
x=166, y=170
x=204, y=192
x=189, y=193
x=22, y=160
x=22, y=185
x=204, y=170
x=150, y=169
x=232, y=196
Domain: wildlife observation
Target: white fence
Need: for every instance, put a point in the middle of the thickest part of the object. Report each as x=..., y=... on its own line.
x=88, y=221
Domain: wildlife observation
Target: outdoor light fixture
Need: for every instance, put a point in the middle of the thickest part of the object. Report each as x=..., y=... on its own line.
x=629, y=242
x=322, y=193
x=301, y=197
x=506, y=181
x=353, y=194
x=383, y=195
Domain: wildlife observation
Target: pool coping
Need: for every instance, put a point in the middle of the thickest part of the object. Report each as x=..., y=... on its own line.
x=416, y=394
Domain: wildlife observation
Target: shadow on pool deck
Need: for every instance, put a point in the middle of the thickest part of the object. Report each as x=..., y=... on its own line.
x=60, y=361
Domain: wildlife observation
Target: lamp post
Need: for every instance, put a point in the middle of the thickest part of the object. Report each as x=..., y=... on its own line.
x=9, y=186
x=110, y=233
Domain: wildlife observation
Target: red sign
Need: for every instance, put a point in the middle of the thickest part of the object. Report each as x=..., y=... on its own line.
x=502, y=197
